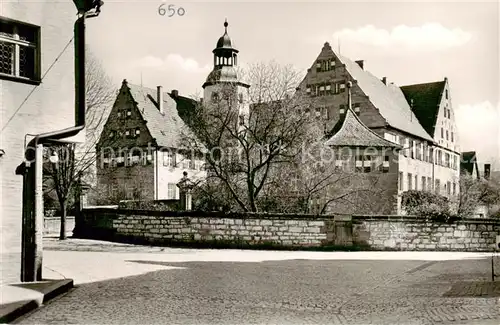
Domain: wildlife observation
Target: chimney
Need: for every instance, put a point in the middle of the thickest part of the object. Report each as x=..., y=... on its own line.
x=361, y=64
x=384, y=80
x=159, y=98
x=175, y=93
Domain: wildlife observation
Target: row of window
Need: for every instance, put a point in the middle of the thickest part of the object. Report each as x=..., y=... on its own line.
x=216, y=97
x=356, y=107
x=425, y=184
x=129, y=133
x=325, y=89
x=448, y=136
x=19, y=50
x=324, y=112
x=124, y=160
x=364, y=164
x=169, y=160
x=124, y=113
x=421, y=151
x=325, y=65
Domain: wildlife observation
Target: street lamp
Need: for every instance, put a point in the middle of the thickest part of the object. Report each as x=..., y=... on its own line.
x=88, y=5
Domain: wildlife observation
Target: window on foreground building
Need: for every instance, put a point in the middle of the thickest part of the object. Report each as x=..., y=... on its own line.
x=19, y=51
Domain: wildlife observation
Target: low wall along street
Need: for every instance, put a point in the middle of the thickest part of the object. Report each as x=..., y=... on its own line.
x=52, y=225
x=202, y=229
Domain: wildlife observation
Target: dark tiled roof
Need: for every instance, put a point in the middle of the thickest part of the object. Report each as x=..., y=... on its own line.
x=353, y=133
x=166, y=128
x=185, y=107
x=468, y=161
x=388, y=99
x=426, y=99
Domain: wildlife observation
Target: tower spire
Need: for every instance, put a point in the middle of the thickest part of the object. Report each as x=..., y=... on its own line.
x=225, y=25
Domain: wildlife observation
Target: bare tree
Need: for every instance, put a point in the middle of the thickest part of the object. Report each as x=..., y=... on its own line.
x=76, y=162
x=248, y=139
x=314, y=184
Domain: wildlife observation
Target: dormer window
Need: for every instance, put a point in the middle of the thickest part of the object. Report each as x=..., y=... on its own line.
x=127, y=133
x=119, y=114
x=357, y=108
x=137, y=132
x=129, y=113
x=111, y=134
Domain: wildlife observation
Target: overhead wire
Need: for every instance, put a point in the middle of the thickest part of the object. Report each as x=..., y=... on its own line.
x=35, y=87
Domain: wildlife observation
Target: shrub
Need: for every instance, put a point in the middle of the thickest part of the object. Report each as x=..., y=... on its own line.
x=428, y=205
x=166, y=205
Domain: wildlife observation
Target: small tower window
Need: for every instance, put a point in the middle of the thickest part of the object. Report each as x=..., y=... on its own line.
x=215, y=97
x=129, y=113
x=342, y=109
x=137, y=131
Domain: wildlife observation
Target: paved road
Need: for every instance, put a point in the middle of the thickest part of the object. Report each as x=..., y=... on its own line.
x=121, y=284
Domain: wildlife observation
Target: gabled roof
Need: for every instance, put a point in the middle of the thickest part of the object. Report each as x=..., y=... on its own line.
x=426, y=98
x=353, y=133
x=388, y=99
x=166, y=128
x=468, y=162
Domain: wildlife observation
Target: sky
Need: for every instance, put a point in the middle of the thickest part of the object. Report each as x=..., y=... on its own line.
x=407, y=42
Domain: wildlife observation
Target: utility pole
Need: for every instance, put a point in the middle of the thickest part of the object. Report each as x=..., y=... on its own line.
x=32, y=168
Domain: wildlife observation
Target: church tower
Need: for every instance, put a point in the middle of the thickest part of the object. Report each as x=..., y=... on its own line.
x=223, y=84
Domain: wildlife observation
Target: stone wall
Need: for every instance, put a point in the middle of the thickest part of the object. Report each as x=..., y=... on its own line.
x=287, y=231
x=165, y=227
x=411, y=233
x=52, y=225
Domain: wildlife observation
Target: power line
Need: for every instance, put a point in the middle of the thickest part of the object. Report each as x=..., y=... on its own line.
x=35, y=87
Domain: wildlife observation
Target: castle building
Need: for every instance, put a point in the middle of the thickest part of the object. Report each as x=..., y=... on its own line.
x=427, y=160
x=223, y=85
x=140, y=151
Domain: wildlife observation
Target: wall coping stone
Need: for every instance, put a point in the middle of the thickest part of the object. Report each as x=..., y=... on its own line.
x=417, y=219
x=116, y=213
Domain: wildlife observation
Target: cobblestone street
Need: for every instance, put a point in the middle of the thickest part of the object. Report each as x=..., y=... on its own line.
x=123, y=284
